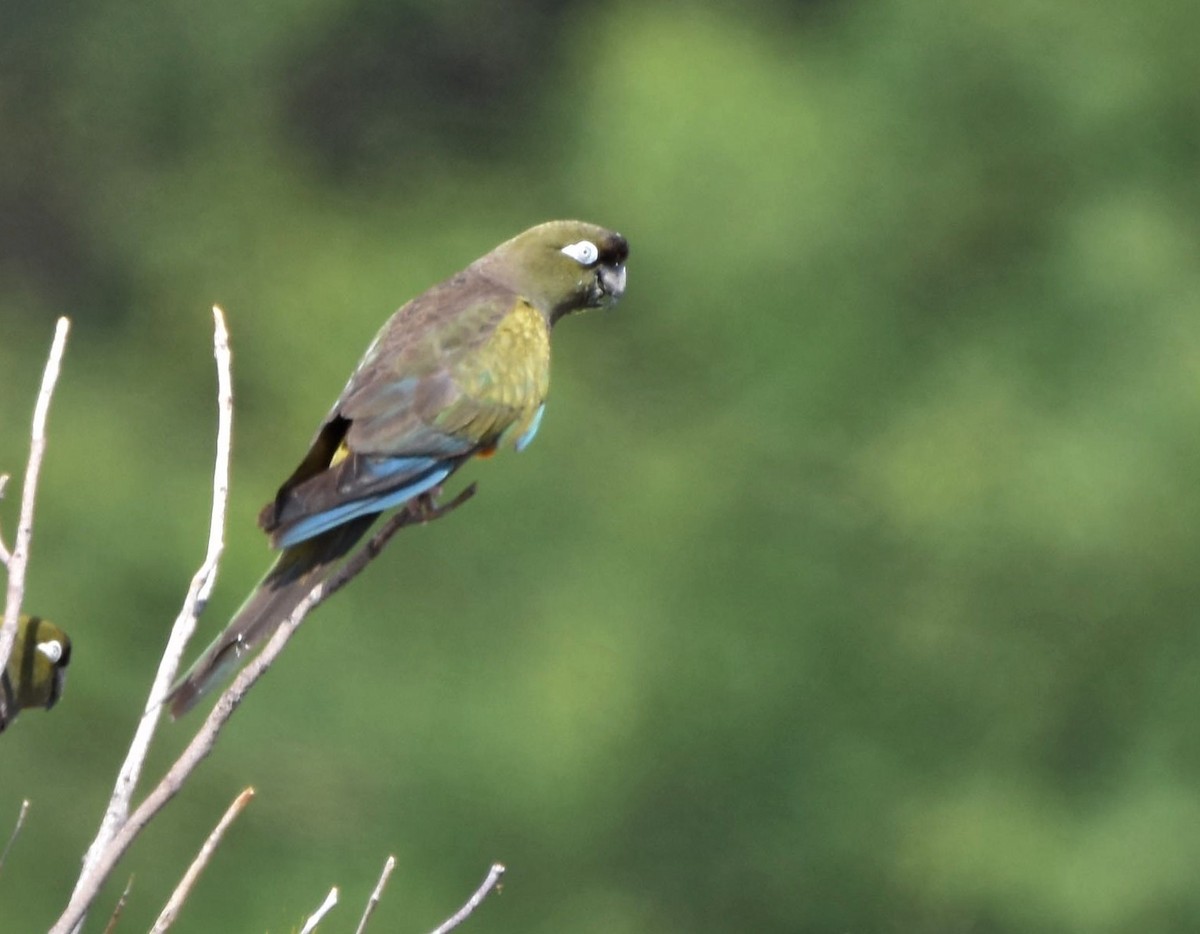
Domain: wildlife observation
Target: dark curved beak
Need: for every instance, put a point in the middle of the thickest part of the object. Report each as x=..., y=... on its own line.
x=56, y=687
x=612, y=280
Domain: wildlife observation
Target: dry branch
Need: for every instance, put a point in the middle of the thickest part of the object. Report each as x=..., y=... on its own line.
x=171, y=910
x=117, y=812
x=12, y=838
x=118, y=831
x=319, y=915
x=119, y=909
x=18, y=557
x=492, y=882
x=373, y=901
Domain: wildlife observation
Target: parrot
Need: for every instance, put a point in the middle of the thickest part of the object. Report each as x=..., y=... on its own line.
x=454, y=374
x=36, y=670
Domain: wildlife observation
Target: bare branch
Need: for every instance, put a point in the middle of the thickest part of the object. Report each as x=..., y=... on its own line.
x=373, y=901
x=19, y=557
x=418, y=512
x=495, y=874
x=16, y=831
x=206, y=577
x=120, y=907
x=185, y=623
x=319, y=915
x=118, y=831
x=184, y=889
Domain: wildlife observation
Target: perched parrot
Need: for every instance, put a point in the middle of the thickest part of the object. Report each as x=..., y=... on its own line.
x=36, y=670
x=455, y=373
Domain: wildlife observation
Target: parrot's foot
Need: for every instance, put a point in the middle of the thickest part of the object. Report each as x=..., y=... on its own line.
x=418, y=511
x=425, y=508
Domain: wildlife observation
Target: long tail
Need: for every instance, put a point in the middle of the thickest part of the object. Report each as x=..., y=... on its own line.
x=296, y=571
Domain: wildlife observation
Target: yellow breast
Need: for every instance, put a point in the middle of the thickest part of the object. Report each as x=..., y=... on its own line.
x=507, y=378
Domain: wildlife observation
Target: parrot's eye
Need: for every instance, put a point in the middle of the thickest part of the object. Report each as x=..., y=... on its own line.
x=584, y=252
x=53, y=650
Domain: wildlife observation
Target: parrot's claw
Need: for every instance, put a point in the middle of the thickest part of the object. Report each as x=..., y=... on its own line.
x=425, y=508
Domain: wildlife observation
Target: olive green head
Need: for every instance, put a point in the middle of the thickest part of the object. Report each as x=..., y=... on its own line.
x=561, y=266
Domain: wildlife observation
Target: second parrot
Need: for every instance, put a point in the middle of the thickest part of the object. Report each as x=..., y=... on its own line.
x=37, y=668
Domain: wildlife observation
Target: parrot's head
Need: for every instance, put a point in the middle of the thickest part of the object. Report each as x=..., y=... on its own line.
x=561, y=266
x=37, y=668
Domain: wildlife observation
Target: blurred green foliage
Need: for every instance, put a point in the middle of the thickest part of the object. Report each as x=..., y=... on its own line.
x=851, y=584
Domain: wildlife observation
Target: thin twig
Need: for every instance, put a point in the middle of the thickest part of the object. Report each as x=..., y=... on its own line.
x=373, y=901
x=495, y=874
x=116, y=915
x=185, y=623
x=19, y=557
x=16, y=831
x=205, y=739
x=319, y=915
x=171, y=911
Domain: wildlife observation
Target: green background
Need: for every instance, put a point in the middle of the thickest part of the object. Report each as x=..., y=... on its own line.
x=851, y=585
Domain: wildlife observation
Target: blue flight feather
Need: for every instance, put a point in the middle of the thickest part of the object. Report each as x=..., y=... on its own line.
x=324, y=521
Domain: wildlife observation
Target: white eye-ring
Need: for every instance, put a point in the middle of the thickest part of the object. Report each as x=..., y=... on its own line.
x=53, y=650
x=584, y=252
